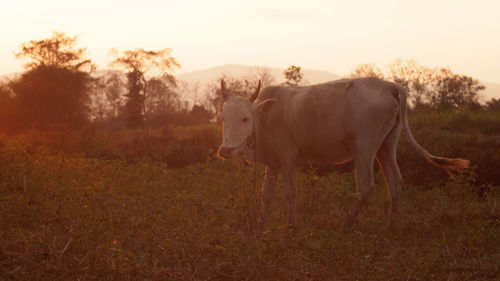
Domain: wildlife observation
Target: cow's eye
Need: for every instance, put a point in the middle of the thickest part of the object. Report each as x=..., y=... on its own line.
x=244, y=120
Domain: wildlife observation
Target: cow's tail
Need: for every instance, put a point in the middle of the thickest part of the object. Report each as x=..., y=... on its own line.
x=450, y=165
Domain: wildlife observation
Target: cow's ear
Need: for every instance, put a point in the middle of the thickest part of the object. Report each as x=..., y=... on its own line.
x=265, y=106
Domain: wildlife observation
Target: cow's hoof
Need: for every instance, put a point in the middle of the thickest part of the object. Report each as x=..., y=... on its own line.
x=394, y=223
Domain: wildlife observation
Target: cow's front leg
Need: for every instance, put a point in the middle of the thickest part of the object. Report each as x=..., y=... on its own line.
x=268, y=187
x=364, y=182
x=290, y=182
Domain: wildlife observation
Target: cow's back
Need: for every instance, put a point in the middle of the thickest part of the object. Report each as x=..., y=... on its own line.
x=324, y=120
x=315, y=117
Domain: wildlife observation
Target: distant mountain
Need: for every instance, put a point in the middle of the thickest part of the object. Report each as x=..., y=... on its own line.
x=195, y=85
x=211, y=74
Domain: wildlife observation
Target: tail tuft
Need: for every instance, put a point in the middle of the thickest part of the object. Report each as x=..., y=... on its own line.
x=451, y=165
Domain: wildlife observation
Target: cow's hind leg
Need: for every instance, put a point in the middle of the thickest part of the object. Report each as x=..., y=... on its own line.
x=386, y=157
x=363, y=163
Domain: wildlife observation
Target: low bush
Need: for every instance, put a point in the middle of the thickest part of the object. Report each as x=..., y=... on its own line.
x=460, y=134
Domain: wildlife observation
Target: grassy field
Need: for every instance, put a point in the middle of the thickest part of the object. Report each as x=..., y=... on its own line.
x=71, y=215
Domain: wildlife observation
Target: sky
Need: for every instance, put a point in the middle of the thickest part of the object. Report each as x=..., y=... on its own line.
x=335, y=36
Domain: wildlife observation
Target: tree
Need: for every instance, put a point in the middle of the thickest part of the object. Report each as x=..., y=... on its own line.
x=366, y=70
x=106, y=95
x=49, y=96
x=55, y=88
x=435, y=88
x=416, y=79
x=161, y=98
x=99, y=106
x=293, y=76
x=264, y=74
x=199, y=114
x=193, y=91
x=58, y=51
x=455, y=90
x=134, y=105
x=139, y=63
x=114, y=93
x=493, y=104
x=8, y=109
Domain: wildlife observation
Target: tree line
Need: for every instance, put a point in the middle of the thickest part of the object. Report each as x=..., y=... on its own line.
x=60, y=88
x=431, y=88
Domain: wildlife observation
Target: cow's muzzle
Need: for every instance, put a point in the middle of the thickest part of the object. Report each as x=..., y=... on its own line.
x=225, y=152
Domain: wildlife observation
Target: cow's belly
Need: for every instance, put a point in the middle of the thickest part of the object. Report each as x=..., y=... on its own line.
x=335, y=152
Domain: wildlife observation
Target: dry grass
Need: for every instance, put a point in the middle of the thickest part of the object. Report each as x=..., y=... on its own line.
x=68, y=217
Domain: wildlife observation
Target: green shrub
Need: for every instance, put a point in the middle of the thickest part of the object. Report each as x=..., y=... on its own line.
x=457, y=134
x=470, y=135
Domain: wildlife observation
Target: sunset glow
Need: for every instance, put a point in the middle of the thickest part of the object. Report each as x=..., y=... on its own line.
x=329, y=35
x=249, y=140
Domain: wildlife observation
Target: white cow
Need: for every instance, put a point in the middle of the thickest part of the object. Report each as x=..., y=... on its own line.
x=338, y=121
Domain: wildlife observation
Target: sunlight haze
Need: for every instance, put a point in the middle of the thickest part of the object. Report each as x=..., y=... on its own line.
x=335, y=36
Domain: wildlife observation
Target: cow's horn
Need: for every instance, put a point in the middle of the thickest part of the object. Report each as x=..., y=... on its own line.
x=223, y=90
x=256, y=93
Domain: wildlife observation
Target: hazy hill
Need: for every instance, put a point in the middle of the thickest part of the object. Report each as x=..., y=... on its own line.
x=211, y=74
x=195, y=85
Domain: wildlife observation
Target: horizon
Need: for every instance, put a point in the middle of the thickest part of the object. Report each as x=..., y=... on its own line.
x=313, y=76
x=333, y=37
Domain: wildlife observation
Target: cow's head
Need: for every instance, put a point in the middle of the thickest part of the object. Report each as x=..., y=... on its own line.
x=240, y=116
